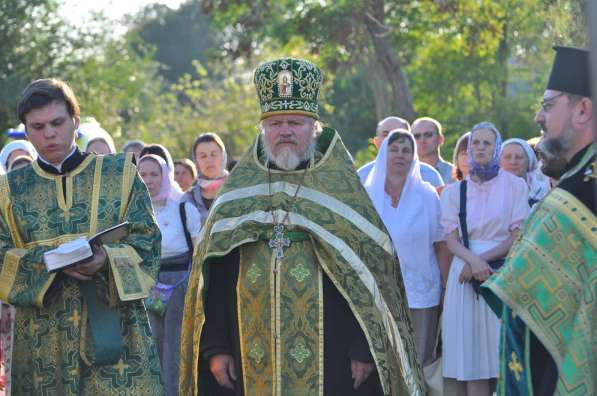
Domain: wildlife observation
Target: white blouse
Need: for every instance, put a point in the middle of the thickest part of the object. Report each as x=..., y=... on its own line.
x=418, y=264
x=170, y=224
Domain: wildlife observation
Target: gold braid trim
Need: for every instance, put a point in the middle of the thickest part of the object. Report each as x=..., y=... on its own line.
x=97, y=179
x=128, y=177
x=83, y=336
x=39, y=300
x=12, y=258
x=5, y=208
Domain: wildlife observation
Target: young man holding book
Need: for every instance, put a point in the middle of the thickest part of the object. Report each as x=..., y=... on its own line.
x=81, y=329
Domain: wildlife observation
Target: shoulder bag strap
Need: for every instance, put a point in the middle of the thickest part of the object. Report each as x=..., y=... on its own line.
x=462, y=214
x=183, y=219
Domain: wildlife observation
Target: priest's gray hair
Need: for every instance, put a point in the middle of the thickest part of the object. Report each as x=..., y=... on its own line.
x=288, y=160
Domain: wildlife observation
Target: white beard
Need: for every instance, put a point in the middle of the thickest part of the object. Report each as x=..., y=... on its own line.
x=287, y=159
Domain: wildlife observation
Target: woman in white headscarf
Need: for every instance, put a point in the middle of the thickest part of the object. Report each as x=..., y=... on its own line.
x=166, y=302
x=161, y=151
x=14, y=149
x=100, y=145
x=95, y=139
x=410, y=210
x=519, y=159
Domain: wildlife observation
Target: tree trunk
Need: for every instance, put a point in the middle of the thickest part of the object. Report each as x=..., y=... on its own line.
x=377, y=82
x=392, y=67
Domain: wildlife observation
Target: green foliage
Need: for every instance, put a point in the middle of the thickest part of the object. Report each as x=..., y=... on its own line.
x=121, y=89
x=177, y=73
x=31, y=43
x=179, y=37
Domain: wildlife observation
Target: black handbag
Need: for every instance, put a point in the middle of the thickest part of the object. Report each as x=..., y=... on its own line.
x=494, y=264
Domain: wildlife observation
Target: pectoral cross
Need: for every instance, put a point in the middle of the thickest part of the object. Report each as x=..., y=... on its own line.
x=279, y=241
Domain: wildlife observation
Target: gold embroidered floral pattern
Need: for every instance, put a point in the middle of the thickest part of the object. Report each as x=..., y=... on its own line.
x=300, y=353
x=256, y=353
x=254, y=273
x=299, y=272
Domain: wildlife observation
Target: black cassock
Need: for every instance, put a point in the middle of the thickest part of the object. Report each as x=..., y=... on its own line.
x=343, y=338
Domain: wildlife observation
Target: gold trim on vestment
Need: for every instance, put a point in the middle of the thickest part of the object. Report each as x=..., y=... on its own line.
x=39, y=299
x=132, y=261
x=83, y=336
x=558, y=201
x=97, y=179
x=273, y=333
x=565, y=202
x=357, y=317
x=50, y=176
x=128, y=178
x=289, y=112
x=10, y=267
x=320, y=322
x=277, y=323
x=351, y=258
x=59, y=240
x=5, y=208
x=64, y=195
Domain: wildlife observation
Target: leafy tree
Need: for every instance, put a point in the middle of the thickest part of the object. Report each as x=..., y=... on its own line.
x=30, y=46
x=179, y=37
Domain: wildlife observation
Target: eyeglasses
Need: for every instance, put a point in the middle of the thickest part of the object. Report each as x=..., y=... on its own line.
x=548, y=103
x=426, y=135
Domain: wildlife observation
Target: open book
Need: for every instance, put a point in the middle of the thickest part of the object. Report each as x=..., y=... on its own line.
x=79, y=250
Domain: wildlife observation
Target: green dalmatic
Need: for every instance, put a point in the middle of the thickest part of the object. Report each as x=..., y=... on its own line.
x=55, y=349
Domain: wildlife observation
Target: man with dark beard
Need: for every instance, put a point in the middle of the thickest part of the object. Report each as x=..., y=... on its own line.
x=295, y=288
x=552, y=166
x=546, y=292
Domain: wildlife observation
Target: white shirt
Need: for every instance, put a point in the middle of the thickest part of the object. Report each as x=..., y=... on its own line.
x=173, y=239
x=421, y=276
x=414, y=226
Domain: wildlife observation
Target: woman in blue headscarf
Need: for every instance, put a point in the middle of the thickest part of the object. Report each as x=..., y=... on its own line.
x=495, y=205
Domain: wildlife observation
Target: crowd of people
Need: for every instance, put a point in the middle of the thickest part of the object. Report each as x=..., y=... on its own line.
x=291, y=272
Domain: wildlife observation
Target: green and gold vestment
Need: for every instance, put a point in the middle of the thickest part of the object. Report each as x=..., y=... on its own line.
x=333, y=229
x=53, y=349
x=549, y=286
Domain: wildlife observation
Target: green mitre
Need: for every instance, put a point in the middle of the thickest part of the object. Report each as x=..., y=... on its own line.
x=288, y=86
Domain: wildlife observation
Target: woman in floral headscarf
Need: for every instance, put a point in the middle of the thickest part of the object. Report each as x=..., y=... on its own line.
x=495, y=205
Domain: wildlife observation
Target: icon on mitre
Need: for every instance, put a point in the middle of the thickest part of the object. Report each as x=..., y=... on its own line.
x=285, y=83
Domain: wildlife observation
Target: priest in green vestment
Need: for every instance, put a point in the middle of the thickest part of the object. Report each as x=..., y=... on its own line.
x=82, y=330
x=295, y=287
x=546, y=292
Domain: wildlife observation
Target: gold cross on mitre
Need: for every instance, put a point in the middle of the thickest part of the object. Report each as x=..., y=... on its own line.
x=515, y=366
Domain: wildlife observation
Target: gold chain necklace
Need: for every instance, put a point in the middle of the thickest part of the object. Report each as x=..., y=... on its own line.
x=279, y=240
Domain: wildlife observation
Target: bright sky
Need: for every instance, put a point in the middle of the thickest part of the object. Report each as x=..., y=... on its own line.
x=77, y=10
